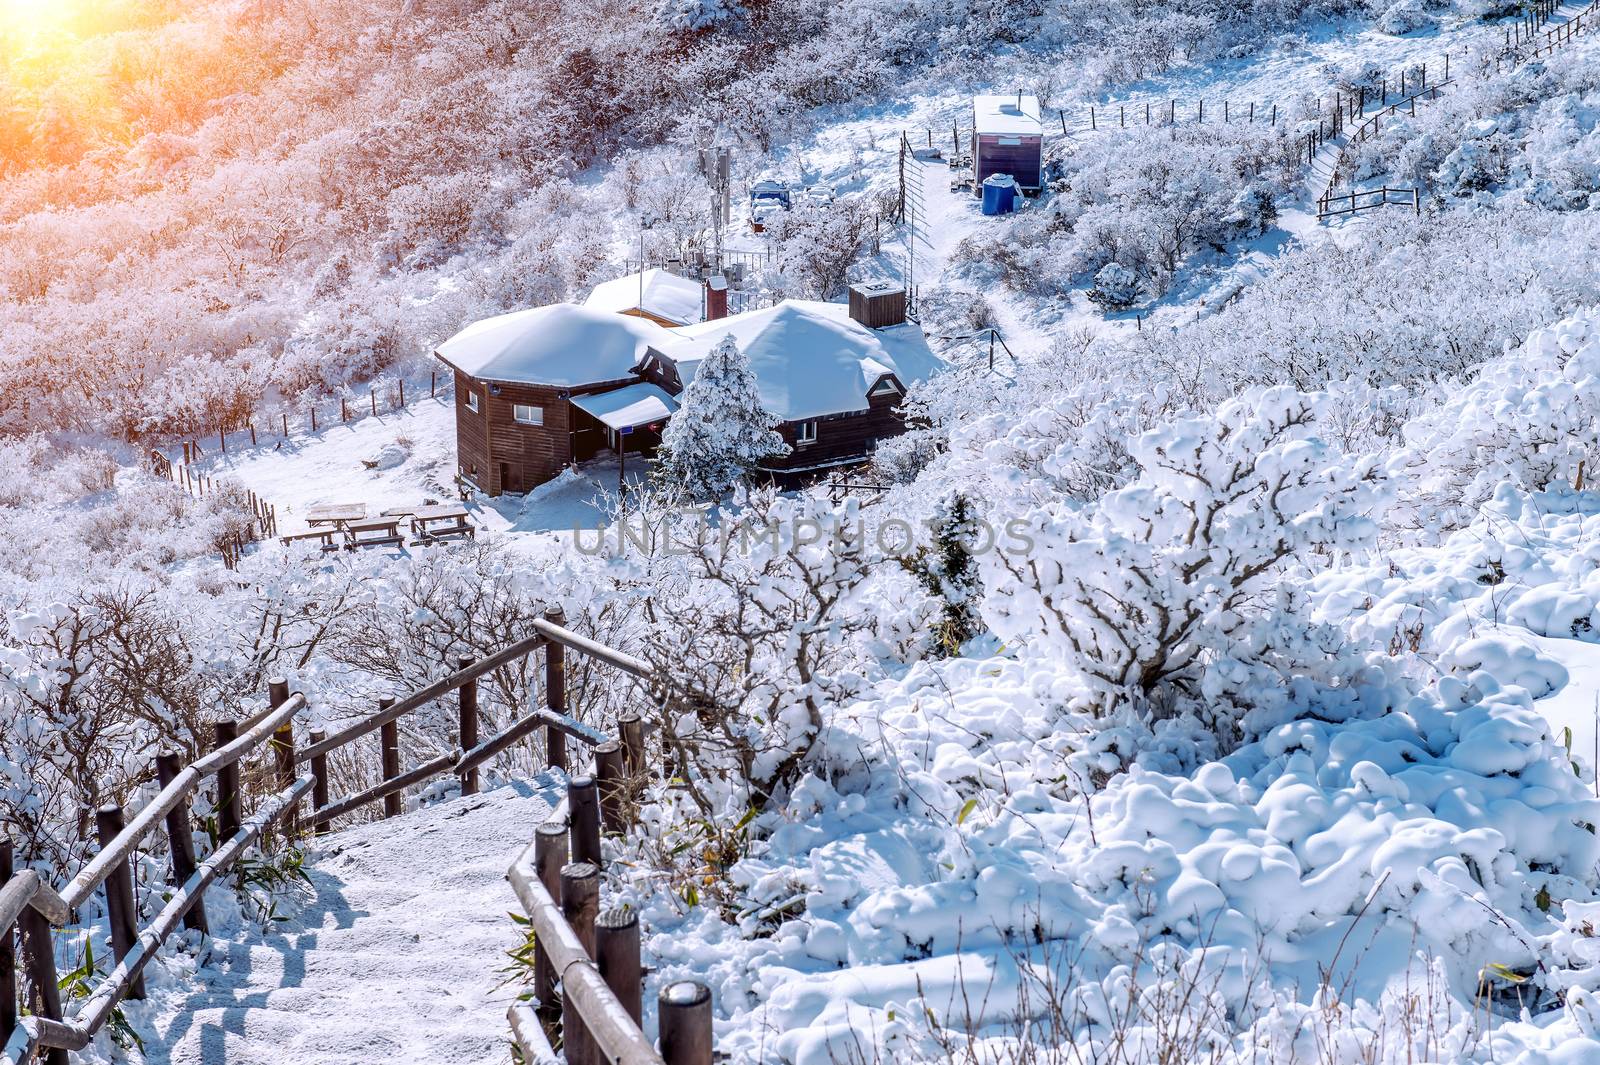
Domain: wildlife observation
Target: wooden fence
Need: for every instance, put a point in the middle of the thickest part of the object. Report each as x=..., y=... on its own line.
x=594, y=963
x=264, y=525
x=1332, y=205
x=1527, y=39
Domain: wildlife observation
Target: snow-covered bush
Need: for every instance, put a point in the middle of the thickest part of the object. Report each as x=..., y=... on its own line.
x=1172, y=588
x=1529, y=419
x=1115, y=287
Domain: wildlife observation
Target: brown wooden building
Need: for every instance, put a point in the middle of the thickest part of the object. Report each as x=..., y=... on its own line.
x=516, y=376
x=539, y=390
x=1008, y=138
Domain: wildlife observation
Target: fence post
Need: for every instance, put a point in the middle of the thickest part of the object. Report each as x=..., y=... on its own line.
x=616, y=945
x=285, y=425
x=583, y=812
x=313, y=418
x=372, y=393
x=610, y=780
x=555, y=691
x=228, y=814
x=469, y=724
x=402, y=392
x=8, y=956
x=120, y=908
x=390, y=741
x=549, y=856
x=283, y=751
x=1092, y=126
x=631, y=729
x=222, y=441
x=433, y=383
x=319, y=782
x=684, y=1016
x=41, y=967
x=580, y=904
x=180, y=840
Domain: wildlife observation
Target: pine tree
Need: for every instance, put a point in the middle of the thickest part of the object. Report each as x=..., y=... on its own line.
x=720, y=431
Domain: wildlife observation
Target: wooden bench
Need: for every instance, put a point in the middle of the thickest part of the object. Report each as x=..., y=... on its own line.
x=431, y=524
x=324, y=535
x=380, y=532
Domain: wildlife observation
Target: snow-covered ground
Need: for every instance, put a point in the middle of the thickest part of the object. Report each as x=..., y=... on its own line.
x=406, y=458
x=397, y=955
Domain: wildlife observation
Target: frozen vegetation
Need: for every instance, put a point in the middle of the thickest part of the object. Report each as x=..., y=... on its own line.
x=1215, y=678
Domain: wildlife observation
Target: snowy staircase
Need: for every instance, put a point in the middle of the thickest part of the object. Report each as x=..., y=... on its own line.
x=394, y=961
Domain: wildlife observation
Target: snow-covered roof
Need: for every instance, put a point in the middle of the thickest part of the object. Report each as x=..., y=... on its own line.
x=629, y=406
x=810, y=359
x=560, y=345
x=1009, y=115
x=663, y=295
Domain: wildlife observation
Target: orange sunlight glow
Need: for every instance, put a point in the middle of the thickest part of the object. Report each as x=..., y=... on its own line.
x=32, y=23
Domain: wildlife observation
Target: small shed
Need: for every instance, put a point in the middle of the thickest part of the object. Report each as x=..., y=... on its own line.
x=1008, y=138
x=664, y=298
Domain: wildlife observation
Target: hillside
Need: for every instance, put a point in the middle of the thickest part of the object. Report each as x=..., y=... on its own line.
x=1207, y=672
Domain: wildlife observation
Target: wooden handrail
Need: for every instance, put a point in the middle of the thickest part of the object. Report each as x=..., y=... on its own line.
x=91, y=875
x=385, y=788
x=615, y=1034
x=530, y=1037
x=35, y=1033
x=637, y=667
x=422, y=697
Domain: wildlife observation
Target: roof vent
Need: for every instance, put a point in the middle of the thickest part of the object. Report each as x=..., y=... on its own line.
x=877, y=304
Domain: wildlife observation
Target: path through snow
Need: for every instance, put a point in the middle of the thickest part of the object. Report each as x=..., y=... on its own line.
x=395, y=960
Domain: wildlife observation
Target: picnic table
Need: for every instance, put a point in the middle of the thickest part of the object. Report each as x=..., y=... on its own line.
x=335, y=514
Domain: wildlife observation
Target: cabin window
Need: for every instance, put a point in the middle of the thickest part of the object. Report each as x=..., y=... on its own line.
x=527, y=415
x=805, y=433
x=1010, y=142
x=885, y=387
x=472, y=401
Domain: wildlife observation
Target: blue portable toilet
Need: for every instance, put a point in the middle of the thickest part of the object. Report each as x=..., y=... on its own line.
x=999, y=194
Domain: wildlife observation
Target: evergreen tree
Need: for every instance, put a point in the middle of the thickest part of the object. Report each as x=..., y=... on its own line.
x=721, y=431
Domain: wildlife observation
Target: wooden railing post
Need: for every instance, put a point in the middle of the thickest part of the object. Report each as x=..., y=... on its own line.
x=684, y=1017
x=319, y=787
x=610, y=782
x=583, y=810
x=549, y=857
x=180, y=840
x=469, y=724
x=631, y=731
x=8, y=956
x=41, y=968
x=555, y=691
x=228, y=798
x=120, y=907
x=616, y=944
x=580, y=905
x=393, y=803
x=283, y=752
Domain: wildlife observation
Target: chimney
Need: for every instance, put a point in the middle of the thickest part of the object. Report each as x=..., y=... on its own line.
x=878, y=304
x=716, y=297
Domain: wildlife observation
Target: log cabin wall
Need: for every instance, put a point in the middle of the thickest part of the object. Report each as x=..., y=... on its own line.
x=841, y=438
x=497, y=452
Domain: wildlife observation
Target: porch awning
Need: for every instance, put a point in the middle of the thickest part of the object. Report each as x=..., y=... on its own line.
x=628, y=407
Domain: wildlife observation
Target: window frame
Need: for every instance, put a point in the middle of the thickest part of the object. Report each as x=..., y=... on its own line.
x=472, y=401
x=516, y=417
x=801, y=435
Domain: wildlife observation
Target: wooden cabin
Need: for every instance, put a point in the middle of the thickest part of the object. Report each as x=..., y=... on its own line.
x=540, y=390
x=1008, y=138
x=517, y=379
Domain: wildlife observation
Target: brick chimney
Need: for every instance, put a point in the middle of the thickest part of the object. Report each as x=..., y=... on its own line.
x=716, y=297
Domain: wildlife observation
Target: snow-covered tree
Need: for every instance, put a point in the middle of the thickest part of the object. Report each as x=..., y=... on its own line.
x=721, y=430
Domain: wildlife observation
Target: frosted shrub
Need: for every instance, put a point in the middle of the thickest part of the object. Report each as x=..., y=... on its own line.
x=724, y=431
x=1115, y=287
x=1169, y=588
x=1530, y=419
